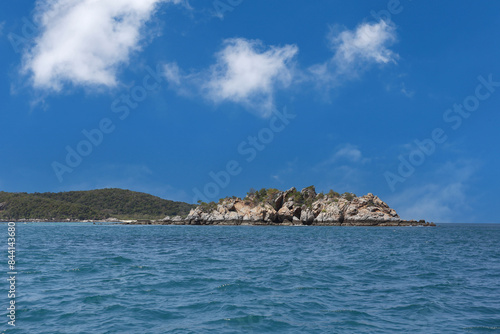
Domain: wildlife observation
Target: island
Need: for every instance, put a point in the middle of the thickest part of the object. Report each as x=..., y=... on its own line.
x=262, y=207
x=292, y=207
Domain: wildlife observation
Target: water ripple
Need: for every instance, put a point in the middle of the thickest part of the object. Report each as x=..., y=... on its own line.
x=77, y=278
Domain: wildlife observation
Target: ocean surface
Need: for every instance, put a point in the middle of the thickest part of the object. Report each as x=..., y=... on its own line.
x=85, y=278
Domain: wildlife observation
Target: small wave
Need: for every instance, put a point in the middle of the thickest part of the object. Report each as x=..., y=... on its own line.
x=115, y=307
x=481, y=328
x=142, y=267
x=31, y=272
x=258, y=323
x=68, y=315
x=246, y=320
x=121, y=259
x=97, y=299
x=200, y=306
x=352, y=312
x=311, y=288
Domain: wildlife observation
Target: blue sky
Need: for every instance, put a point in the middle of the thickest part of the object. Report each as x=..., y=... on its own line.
x=196, y=99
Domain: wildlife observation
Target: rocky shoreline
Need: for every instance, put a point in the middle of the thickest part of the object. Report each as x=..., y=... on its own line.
x=265, y=223
x=272, y=207
x=292, y=208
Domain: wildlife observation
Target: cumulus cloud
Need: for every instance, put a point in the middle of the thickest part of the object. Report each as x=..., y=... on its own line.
x=84, y=42
x=367, y=44
x=355, y=50
x=245, y=72
x=248, y=73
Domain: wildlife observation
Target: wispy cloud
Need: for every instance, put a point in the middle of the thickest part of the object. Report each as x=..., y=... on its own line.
x=442, y=200
x=344, y=170
x=400, y=88
x=344, y=154
x=355, y=50
x=2, y=25
x=85, y=42
x=281, y=175
x=406, y=92
x=348, y=152
x=173, y=74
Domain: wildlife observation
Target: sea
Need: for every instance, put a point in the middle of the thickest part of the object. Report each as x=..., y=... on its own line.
x=86, y=278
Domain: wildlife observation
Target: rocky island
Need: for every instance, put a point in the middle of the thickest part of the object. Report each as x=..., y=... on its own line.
x=292, y=207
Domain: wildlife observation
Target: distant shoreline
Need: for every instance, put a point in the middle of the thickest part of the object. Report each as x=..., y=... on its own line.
x=401, y=223
x=293, y=207
x=266, y=207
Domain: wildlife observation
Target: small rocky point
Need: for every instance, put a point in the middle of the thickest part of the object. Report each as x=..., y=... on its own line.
x=291, y=207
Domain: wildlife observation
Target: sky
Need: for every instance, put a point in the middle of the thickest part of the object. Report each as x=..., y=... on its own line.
x=197, y=100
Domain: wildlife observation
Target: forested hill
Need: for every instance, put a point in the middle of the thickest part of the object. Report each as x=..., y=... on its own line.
x=88, y=205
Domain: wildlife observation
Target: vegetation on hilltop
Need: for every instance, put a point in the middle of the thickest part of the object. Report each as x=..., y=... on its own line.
x=88, y=205
x=305, y=197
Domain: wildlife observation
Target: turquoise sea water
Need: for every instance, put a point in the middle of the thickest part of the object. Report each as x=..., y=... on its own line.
x=84, y=278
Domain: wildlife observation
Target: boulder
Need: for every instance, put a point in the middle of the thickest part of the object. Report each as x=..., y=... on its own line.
x=278, y=202
x=296, y=212
x=243, y=208
x=307, y=216
x=309, y=192
x=285, y=214
x=232, y=215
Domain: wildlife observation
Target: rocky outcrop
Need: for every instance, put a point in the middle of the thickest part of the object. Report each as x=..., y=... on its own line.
x=291, y=207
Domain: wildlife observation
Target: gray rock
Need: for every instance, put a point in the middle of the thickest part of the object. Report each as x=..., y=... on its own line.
x=367, y=210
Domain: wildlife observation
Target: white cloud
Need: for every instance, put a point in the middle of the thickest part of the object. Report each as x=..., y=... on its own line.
x=184, y=84
x=401, y=89
x=406, y=92
x=245, y=72
x=346, y=153
x=368, y=43
x=444, y=200
x=355, y=50
x=345, y=167
x=84, y=42
x=249, y=74
x=172, y=73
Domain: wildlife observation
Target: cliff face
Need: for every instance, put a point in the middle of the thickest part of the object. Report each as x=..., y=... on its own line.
x=296, y=208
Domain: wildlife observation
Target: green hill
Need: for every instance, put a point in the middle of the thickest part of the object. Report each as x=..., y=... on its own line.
x=87, y=205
